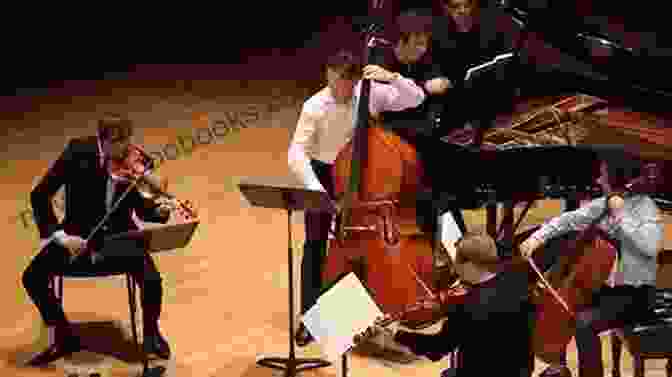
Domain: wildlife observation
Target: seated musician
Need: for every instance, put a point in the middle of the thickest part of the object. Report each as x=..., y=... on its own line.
x=90, y=192
x=633, y=223
x=324, y=127
x=491, y=327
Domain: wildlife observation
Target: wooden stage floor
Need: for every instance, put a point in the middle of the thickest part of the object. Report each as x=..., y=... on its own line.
x=226, y=293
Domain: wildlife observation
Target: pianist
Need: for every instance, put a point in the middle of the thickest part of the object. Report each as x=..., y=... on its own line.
x=90, y=192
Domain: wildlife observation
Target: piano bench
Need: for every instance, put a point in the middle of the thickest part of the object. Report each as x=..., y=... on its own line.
x=649, y=339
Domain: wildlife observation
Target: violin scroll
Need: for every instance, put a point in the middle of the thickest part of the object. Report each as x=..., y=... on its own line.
x=134, y=166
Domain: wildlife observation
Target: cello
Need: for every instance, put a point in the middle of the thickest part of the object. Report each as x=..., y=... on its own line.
x=378, y=235
x=584, y=264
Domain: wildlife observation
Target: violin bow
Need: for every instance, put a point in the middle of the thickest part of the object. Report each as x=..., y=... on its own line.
x=134, y=183
x=114, y=207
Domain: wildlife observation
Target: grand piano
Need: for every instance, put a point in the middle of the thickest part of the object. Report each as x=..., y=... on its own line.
x=562, y=53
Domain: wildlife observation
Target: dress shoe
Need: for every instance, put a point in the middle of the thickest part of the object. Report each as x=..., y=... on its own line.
x=155, y=344
x=556, y=372
x=302, y=336
x=63, y=344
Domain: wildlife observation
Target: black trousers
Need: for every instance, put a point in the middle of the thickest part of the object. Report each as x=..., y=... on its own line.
x=317, y=225
x=446, y=175
x=119, y=256
x=612, y=308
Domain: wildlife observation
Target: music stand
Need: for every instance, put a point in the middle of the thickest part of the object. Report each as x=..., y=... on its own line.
x=156, y=238
x=289, y=198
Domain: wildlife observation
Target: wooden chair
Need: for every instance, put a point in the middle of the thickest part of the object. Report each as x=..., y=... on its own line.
x=649, y=339
x=57, y=286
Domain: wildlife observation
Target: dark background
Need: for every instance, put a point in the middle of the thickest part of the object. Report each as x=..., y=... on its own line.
x=42, y=49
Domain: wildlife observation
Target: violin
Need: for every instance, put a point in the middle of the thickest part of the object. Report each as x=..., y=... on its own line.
x=133, y=166
x=452, y=296
x=136, y=167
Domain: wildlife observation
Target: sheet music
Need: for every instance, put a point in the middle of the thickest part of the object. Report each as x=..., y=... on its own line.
x=494, y=61
x=340, y=313
x=450, y=233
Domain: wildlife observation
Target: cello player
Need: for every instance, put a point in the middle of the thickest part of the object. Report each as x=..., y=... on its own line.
x=324, y=127
x=634, y=223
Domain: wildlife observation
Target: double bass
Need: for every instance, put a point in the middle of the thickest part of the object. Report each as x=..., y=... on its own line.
x=378, y=236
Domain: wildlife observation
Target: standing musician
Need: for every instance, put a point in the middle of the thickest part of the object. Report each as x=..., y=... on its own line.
x=324, y=127
x=412, y=57
x=634, y=224
x=90, y=192
x=467, y=35
x=493, y=320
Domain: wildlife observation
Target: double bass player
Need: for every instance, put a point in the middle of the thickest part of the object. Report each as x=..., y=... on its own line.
x=325, y=125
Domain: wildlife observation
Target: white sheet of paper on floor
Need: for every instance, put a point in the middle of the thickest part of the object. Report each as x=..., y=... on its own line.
x=340, y=313
x=450, y=233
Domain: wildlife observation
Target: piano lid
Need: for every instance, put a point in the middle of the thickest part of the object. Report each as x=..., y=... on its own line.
x=584, y=56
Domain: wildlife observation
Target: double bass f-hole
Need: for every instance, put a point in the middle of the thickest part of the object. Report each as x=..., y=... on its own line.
x=386, y=223
x=389, y=227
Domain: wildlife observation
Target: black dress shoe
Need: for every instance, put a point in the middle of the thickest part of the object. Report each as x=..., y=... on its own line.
x=63, y=346
x=302, y=336
x=155, y=344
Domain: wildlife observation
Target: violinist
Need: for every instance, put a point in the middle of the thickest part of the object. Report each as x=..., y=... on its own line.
x=490, y=327
x=324, y=127
x=632, y=223
x=90, y=193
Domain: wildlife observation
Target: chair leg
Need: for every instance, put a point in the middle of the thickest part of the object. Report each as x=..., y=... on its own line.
x=616, y=351
x=668, y=367
x=132, y=305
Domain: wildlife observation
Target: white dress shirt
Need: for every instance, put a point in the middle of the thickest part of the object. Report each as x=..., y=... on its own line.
x=325, y=126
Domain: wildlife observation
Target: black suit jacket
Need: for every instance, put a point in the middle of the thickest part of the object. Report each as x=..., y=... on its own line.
x=85, y=181
x=455, y=52
x=491, y=330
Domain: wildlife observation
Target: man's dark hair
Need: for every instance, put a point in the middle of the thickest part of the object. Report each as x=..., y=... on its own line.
x=413, y=21
x=346, y=64
x=113, y=126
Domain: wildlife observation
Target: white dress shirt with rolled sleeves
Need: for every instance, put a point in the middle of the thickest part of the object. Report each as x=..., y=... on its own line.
x=325, y=126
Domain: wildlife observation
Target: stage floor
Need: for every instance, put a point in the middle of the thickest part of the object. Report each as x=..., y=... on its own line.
x=226, y=293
